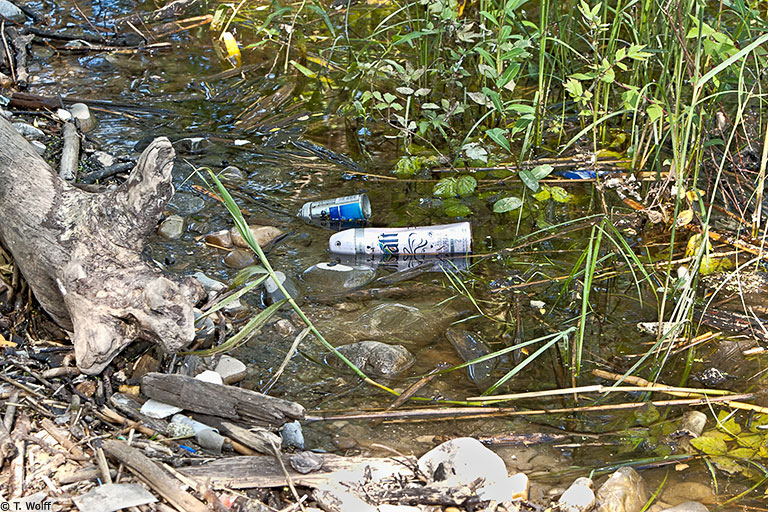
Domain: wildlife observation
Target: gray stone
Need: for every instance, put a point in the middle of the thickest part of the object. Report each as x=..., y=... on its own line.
x=186, y=204
x=103, y=158
x=306, y=462
x=172, y=227
x=231, y=370
x=512, y=488
x=28, y=131
x=624, y=491
x=461, y=461
x=374, y=358
x=10, y=11
x=688, y=506
x=335, y=277
x=681, y=492
x=284, y=327
x=292, y=435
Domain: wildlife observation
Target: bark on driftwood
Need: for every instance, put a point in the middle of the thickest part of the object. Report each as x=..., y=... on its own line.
x=81, y=252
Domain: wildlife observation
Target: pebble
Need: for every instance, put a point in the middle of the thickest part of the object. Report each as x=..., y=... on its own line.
x=624, y=491
x=374, y=358
x=219, y=238
x=688, y=506
x=172, y=227
x=231, y=370
x=186, y=204
x=240, y=258
x=343, y=442
x=86, y=388
x=284, y=327
x=262, y=234
x=306, y=462
x=103, y=158
x=681, y=492
x=292, y=435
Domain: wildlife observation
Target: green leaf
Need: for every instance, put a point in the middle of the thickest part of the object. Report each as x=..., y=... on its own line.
x=529, y=179
x=446, y=187
x=466, y=185
x=407, y=166
x=542, y=171
x=543, y=194
x=727, y=464
x=710, y=445
x=247, y=273
x=654, y=112
x=304, y=70
x=453, y=207
x=507, y=204
x=495, y=99
x=560, y=195
x=499, y=136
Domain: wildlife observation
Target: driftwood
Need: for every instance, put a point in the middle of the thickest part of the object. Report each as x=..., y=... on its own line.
x=70, y=153
x=141, y=466
x=81, y=253
x=220, y=400
x=7, y=448
x=260, y=471
x=255, y=438
x=20, y=43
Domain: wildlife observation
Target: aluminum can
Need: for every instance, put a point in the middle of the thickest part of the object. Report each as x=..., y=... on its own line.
x=339, y=212
x=442, y=239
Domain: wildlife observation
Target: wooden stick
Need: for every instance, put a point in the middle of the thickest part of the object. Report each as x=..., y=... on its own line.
x=70, y=154
x=599, y=388
x=63, y=440
x=144, y=468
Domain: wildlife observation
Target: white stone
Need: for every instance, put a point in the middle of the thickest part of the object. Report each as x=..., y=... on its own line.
x=158, y=410
x=513, y=488
x=460, y=462
x=39, y=147
x=28, y=131
x=579, y=497
x=83, y=117
x=63, y=115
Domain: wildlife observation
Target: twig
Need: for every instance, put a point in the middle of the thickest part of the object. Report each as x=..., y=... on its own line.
x=296, y=342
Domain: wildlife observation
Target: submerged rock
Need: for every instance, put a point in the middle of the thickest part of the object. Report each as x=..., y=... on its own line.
x=240, y=258
x=220, y=238
x=191, y=145
x=624, y=491
x=172, y=227
x=459, y=462
x=274, y=294
x=186, y=204
x=471, y=346
x=262, y=234
x=688, y=506
x=374, y=358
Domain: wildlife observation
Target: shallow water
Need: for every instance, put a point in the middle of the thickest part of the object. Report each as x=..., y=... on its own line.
x=280, y=177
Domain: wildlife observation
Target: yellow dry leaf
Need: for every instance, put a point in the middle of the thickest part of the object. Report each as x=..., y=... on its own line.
x=129, y=390
x=684, y=217
x=694, y=195
x=4, y=343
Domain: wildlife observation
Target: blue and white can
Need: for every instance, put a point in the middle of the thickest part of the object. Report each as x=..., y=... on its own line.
x=345, y=211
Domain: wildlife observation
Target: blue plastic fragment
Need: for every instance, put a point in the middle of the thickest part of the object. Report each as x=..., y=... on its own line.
x=188, y=448
x=580, y=175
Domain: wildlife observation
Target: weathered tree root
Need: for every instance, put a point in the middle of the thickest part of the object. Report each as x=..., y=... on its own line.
x=81, y=252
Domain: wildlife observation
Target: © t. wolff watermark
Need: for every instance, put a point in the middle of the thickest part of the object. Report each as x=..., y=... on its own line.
x=13, y=506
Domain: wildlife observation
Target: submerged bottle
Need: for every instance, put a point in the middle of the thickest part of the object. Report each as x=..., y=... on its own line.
x=442, y=239
x=338, y=213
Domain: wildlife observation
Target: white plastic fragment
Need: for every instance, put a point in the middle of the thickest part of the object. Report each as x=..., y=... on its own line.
x=111, y=497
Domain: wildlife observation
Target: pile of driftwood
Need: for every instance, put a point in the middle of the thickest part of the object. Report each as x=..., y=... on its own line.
x=73, y=442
